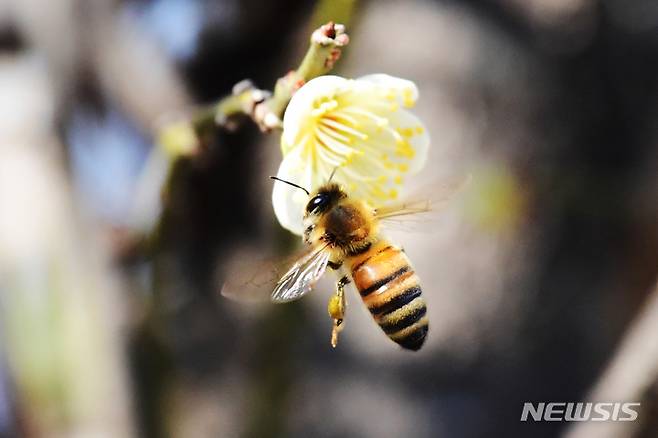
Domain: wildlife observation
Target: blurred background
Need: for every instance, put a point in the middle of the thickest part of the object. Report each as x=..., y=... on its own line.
x=539, y=277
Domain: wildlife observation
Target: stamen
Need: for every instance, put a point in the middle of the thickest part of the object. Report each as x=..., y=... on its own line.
x=373, y=162
x=334, y=134
x=335, y=145
x=340, y=114
x=323, y=108
x=380, y=121
x=333, y=160
x=334, y=124
x=407, y=97
x=406, y=132
x=349, y=171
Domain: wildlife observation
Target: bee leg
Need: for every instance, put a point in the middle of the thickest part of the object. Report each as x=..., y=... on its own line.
x=336, y=309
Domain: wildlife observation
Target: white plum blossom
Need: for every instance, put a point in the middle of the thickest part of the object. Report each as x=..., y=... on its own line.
x=359, y=127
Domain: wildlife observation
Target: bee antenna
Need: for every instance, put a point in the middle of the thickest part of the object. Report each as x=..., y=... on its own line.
x=291, y=183
x=333, y=172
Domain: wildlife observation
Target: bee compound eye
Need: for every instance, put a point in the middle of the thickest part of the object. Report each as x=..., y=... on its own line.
x=317, y=203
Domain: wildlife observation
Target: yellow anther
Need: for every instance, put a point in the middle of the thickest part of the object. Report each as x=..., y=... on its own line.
x=407, y=97
x=405, y=150
x=407, y=132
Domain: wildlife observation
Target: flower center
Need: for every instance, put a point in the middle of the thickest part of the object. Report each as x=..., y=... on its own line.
x=323, y=106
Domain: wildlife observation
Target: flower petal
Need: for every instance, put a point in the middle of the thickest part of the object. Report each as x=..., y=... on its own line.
x=356, y=127
x=289, y=201
x=413, y=131
x=405, y=91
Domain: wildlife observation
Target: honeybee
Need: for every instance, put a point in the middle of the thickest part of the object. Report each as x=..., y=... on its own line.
x=343, y=234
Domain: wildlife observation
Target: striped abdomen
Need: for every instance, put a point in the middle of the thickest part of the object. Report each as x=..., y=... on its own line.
x=390, y=289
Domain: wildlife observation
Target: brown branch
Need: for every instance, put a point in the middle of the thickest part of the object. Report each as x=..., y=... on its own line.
x=264, y=107
x=630, y=377
x=185, y=138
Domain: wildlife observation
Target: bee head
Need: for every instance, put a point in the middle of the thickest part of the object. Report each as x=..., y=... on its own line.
x=321, y=201
x=324, y=199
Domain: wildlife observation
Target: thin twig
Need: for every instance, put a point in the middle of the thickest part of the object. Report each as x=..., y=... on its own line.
x=187, y=138
x=628, y=378
x=265, y=108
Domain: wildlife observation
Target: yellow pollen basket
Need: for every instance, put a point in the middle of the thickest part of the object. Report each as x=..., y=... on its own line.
x=335, y=307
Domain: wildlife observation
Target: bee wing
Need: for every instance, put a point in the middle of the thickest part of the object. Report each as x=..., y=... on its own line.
x=249, y=280
x=433, y=197
x=301, y=278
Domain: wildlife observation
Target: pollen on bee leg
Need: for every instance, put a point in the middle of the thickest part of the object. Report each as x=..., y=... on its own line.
x=336, y=309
